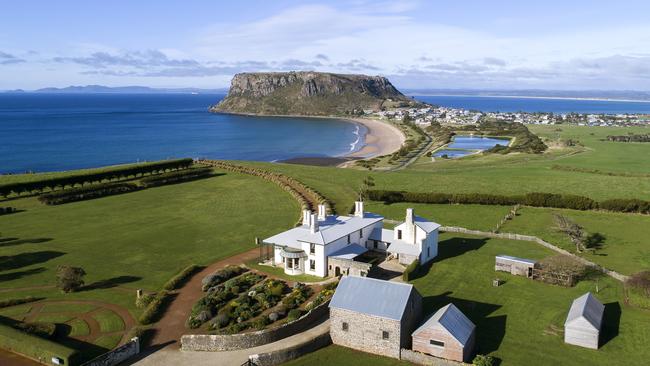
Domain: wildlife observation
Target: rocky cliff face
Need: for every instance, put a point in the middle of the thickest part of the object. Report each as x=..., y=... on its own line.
x=307, y=93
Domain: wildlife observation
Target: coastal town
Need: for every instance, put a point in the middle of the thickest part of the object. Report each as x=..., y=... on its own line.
x=459, y=116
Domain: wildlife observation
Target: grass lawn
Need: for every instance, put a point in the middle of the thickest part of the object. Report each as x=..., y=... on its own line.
x=54, y=318
x=78, y=328
x=108, y=321
x=336, y=355
x=135, y=240
x=477, y=217
x=72, y=308
x=279, y=273
x=625, y=247
x=16, y=312
x=108, y=341
x=520, y=322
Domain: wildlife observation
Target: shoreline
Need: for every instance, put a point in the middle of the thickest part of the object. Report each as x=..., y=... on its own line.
x=381, y=138
x=594, y=99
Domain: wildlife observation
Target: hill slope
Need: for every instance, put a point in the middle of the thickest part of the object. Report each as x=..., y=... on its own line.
x=307, y=93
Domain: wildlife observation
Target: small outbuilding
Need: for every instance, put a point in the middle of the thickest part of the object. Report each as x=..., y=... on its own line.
x=514, y=265
x=583, y=324
x=448, y=334
x=374, y=316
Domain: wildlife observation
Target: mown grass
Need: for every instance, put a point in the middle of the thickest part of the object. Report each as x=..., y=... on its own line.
x=78, y=328
x=108, y=321
x=135, y=240
x=476, y=217
x=520, y=322
x=624, y=248
x=70, y=308
x=108, y=341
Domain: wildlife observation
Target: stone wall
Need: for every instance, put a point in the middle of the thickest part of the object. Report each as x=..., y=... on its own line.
x=347, y=267
x=118, y=355
x=424, y=359
x=230, y=342
x=609, y=272
x=281, y=356
x=364, y=332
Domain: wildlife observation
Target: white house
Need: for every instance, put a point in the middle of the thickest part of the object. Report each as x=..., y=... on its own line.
x=307, y=248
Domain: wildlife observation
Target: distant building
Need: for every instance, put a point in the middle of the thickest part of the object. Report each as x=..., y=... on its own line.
x=415, y=238
x=373, y=315
x=516, y=266
x=447, y=334
x=583, y=324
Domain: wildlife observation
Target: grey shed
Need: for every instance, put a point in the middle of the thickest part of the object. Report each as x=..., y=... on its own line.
x=583, y=324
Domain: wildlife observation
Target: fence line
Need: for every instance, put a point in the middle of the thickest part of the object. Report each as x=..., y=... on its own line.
x=512, y=236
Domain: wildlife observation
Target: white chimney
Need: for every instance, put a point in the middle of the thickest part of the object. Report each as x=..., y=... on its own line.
x=322, y=212
x=305, y=217
x=313, y=223
x=358, y=208
x=409, y=216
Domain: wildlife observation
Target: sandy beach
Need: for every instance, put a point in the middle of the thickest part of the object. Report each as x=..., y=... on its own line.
x=382, y=139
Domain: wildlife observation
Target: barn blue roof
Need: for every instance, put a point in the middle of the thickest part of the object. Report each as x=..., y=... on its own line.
x=372, y=296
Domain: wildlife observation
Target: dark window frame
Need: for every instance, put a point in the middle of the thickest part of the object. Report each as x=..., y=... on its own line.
x=385, y=335
x=345, y=326
x=312, y=248
x=437, y=343
x=312, y=265
x=399, y=234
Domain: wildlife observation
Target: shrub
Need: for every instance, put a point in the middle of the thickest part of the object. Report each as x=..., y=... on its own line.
x=181, y=277
x=261, y=322
x=69, y=279
x=144, y=300
x=86, y=193
x=144, y=335
x=273, y=316
x=154, y=310
x=40, y=329
x=176, y=177
x=298, y=295
x=411, y=270
x=481, y=360
x=35, y=347
x=293, y=314
x=561, y=270
x=637, y=289
x=221, y=276
x=23, y=300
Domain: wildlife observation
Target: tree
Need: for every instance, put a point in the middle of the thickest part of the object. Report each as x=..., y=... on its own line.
x=575, y=232
x=368, y=182
x=69, y=279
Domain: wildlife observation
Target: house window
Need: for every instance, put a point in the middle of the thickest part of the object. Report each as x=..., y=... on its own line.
x=344, y=326
x=375, y=243
x=312, y=264
x=428, y=251
x=384, y=334
x=361, y=233
x=348, y=238
x=399, y=234
x=436, y=343
x=312, y=248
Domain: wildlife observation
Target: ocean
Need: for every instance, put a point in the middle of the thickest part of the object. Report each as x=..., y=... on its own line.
x=531, y=105
x=52, y=132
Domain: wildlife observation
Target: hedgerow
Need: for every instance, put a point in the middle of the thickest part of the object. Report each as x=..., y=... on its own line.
x=534, y=199
x=86, y=193
x=176, y=177
x=181, y=277
x=155, y=309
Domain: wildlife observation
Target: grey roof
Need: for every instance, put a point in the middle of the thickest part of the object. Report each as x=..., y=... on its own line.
x=372, y=296
x=586, y=308
x=402, y=247
x=349, y=251
x=516, y=259
x=425, y=224
x=330, y=229
x=382, y=234
x=451, y=319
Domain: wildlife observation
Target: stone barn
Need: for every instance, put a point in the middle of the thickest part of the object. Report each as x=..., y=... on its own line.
x=514, y=265
x=448, y=334
x=583, y=324
x=374, y=316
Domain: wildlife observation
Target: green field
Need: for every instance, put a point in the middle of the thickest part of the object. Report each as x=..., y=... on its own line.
x=134, y=240
x=521, y=321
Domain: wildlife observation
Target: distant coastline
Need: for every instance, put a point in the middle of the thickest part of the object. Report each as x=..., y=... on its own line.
x=529, y=97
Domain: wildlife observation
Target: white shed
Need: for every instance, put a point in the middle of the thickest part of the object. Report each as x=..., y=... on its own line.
x=583, y=324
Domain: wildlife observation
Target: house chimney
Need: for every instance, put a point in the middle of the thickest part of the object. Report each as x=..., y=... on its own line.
x=358, y=208
x=409, y=216
x=313, y=223
x=322, y=212
x=305, y=217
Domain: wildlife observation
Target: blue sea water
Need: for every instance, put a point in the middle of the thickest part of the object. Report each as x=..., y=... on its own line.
x=508, y=104
x=50, y=132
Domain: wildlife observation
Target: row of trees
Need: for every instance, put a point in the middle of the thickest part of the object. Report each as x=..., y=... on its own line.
x=86, y=193
x=81, y=179
x=176, y=177
x=535, y=199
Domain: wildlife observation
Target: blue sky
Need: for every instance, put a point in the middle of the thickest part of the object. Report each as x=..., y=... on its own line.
x=417, y=44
